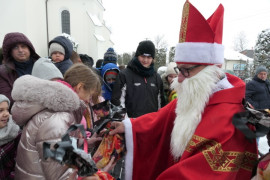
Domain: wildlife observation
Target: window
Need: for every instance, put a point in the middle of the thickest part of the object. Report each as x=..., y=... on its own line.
x=65, y=17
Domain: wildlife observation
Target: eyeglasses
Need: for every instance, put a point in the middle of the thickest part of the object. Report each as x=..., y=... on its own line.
x=185, y=71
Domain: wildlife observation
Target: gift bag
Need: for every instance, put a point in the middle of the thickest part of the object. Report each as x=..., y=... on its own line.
x=110, y=146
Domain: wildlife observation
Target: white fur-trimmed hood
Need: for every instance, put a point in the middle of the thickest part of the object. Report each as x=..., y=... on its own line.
x=50, y=94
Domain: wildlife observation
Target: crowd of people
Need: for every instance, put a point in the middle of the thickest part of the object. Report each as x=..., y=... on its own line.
x=178, y=125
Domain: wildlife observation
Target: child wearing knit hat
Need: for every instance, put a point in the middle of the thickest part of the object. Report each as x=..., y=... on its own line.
x=110, y=57
x=57, y=52
x=60, y=51
x=9, y=138
x=45, y=69
x=109, y=73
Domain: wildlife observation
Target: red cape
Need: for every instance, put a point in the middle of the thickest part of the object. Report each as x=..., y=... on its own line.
x=217, y=149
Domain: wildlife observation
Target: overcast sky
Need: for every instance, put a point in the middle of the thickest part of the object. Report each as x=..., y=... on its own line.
x=134, y=20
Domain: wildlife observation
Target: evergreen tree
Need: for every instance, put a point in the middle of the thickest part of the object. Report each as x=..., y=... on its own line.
x=161, y=49
x=160, y=58
x=246, y=72
x=262, y=49
x=126, y=58
x=171, y=54
x=120, y=59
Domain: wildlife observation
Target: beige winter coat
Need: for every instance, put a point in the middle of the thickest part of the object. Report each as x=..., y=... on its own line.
x=46, y=109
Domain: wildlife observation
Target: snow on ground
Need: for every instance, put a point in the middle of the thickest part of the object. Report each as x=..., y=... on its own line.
x=263, y=146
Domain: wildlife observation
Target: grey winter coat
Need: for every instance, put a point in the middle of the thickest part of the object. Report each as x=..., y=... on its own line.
x=46, y=109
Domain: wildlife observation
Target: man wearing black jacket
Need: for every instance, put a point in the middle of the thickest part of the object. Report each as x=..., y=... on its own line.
x=138, y=87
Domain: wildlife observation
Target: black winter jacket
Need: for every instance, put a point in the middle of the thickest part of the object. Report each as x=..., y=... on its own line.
x=140, y=95
x=258, y=93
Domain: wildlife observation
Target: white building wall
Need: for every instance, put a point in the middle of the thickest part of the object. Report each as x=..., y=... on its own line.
x=12, y=17
x=25, y=16
x=36, y=25
x=82, y=27
x=29, y=17
x=104, y=45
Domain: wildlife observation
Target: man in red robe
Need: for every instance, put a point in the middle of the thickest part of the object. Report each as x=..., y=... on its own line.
x=193, y=137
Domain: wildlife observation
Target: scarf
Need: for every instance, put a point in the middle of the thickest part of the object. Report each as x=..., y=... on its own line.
x=9, y=132
x=137, y=67
x=23, y=68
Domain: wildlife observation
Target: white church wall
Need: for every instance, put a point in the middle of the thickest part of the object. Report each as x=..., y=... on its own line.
x=29, y=17
x=36, y=25
x=82, y=27
x=19, y=16
x=12, y=17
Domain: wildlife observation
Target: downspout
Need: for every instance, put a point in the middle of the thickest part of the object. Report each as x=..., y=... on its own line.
x=47, y=25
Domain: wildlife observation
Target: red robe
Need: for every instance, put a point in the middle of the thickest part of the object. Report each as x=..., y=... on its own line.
x=217, y=149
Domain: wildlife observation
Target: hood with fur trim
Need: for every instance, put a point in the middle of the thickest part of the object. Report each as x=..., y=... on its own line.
x=34, y=95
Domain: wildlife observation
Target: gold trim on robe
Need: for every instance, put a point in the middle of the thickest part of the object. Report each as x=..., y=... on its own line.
x=218, y=159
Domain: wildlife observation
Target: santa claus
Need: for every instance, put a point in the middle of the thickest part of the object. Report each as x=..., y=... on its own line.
x=193, y=137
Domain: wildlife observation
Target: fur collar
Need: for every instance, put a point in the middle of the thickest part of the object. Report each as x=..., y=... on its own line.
x=50, y=94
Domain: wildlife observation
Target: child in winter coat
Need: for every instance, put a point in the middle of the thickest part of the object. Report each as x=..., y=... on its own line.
x=109, y=73
x=45, y=69
x=60, y=50
x=47, y=109
x=9, y=139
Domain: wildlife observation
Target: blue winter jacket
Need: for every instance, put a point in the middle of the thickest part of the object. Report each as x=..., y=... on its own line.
x=106, y=88
x=258, y=93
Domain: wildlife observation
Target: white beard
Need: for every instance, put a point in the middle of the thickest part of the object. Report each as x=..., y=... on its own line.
x=193, y=95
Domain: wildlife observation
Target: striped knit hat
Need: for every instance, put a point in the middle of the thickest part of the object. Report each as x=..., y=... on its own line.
x=110, y=57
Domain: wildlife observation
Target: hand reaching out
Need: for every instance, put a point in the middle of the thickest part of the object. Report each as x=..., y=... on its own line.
x=110, y=165
x=93, y=139
x=119, y=128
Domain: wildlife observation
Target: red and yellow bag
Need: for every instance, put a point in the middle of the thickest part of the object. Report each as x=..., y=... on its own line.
x=110, y=146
